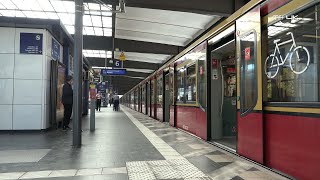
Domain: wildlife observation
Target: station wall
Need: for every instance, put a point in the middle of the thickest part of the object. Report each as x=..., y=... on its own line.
x=24, y=82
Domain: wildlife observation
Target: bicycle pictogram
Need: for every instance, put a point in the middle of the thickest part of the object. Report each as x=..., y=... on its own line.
x=298, y=56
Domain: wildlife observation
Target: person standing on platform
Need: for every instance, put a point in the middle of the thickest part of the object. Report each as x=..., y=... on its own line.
x=67, y=101
x=98, y=99
x=116, y=102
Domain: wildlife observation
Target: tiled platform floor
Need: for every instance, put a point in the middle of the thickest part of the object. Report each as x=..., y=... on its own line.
x=125, y=145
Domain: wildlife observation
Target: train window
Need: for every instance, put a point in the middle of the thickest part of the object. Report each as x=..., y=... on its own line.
x=191, y=84
x=248, y=79
x=202, y=80
x=152, y=92
x=291, y=60
x=159, y=90
x=180, y=86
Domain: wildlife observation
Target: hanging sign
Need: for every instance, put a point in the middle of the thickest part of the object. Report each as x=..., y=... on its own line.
x=117, y=63
x=55, y=50
x=102, y=87
x=113, y=72
x=31, y=43
x=122, y=57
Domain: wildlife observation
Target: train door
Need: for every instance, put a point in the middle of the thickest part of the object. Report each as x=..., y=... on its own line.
x=57, y=80
x=167, y=98
x=172, y=119
x=152, y=98
x=249, y=81
x=147, y=98
x=223, y=89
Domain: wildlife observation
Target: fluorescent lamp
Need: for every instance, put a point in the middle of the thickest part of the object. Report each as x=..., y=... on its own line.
x=287, y=24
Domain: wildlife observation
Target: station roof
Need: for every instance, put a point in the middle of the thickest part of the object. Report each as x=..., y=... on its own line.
x=149, y=32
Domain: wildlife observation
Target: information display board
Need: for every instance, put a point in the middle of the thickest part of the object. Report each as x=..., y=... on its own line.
x=113, y=72
x=55, y=50
x=31, y=43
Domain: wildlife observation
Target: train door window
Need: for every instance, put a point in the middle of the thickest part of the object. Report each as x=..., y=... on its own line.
x=191, y=84
x=171, y=86
x=180, y=85
x=248, y=73
x=292, y=66
x=202, y=80
x=159, y=90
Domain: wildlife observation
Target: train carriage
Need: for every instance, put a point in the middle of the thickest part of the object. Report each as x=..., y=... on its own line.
x=250, y=85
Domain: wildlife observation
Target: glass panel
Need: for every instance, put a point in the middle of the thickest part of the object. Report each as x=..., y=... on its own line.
x=202, y=81
x=159, y=90
x=180, y=86
x=291, y=63
x=143, y=95
x=152, y=92
x=171, y=87
x=191, y=86
x=248, y=72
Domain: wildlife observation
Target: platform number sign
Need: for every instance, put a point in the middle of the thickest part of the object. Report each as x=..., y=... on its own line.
x=117, y=63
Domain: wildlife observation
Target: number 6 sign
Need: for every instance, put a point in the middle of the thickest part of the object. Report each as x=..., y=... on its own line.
x=118, y=63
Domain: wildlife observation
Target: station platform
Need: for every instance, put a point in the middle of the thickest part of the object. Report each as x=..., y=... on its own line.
x=125, y=145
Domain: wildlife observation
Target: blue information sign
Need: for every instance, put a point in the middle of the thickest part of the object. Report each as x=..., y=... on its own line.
x=113, y=72
x=55, y=50
x=31, y=43
x=102, y=87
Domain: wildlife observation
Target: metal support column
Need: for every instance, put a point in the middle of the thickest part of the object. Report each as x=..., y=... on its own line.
x=86, y=95
x=92, y=114
x=77, y=95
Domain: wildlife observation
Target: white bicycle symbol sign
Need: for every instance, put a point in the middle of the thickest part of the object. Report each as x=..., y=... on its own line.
x=298, y=64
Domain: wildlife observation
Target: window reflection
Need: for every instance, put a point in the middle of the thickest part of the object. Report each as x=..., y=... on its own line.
x=191, y=89
x=248, y=72
x=291, y=59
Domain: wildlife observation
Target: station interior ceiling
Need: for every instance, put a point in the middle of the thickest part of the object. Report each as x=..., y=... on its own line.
x=149, y=32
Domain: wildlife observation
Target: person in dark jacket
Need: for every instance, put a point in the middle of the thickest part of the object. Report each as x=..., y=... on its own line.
x=67, y=101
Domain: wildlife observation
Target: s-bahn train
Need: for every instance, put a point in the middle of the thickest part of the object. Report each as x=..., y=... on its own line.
x=251, y=85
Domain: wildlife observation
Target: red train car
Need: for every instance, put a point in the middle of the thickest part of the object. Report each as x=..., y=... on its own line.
x=251, y=85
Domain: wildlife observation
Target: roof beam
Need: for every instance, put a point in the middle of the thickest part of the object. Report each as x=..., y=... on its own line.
x=105, y=43
x=100, y=62
x=208, y=7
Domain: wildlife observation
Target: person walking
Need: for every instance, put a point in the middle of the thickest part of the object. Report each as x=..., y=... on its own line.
x=98, y=99
x=67, y=101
